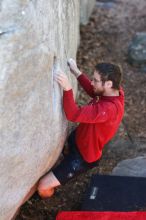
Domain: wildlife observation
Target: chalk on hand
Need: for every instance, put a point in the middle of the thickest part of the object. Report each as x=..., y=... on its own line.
x=70, y=61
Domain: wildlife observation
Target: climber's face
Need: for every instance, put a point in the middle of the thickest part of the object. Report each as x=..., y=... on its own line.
x=98, y=84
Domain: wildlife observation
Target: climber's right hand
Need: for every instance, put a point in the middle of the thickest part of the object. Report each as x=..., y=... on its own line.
x=63, y=81
x=73, y=67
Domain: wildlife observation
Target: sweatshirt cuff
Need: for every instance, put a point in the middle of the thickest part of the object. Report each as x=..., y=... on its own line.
x=68, y=93
x=80, y=76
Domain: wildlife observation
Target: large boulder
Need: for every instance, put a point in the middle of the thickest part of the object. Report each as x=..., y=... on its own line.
x=36, y=38
x=86, y=8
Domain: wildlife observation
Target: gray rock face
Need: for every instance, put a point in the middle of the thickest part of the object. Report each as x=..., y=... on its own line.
x=137, y=50
x=86, y=7
x=131, y=167
x=35, y=38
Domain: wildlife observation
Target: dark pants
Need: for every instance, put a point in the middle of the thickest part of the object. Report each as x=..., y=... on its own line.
x=73, y=164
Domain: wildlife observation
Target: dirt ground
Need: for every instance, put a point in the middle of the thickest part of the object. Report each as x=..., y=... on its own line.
x=105, y=38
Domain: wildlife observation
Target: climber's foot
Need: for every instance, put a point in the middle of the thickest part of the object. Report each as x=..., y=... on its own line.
x=46, y=193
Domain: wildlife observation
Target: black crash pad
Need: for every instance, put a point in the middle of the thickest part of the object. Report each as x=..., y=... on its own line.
x=115, y=193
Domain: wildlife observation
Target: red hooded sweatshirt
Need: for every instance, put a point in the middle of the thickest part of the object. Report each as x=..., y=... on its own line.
x=99, y=120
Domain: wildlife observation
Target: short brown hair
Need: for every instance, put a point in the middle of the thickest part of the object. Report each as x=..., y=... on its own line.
x=109, y=71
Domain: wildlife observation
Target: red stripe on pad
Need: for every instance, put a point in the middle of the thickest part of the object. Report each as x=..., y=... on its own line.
x=85, y=215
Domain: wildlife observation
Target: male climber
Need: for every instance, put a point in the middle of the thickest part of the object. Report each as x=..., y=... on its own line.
x=98, y=122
